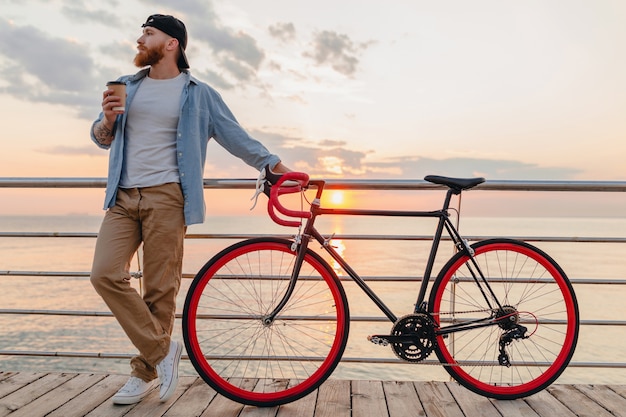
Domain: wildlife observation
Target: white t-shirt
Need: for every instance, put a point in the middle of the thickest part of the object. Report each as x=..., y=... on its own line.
x=150, y=143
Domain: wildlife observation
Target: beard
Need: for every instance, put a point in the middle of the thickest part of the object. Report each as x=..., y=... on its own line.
x=149, y=56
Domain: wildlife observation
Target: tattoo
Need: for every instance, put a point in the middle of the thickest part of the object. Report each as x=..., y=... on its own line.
x=103, y=134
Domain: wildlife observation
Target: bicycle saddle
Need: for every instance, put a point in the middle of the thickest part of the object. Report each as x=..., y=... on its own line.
x=457, y=184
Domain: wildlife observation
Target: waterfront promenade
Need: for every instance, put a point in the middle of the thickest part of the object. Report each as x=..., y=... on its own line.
x=70, y=394
x=596, y=262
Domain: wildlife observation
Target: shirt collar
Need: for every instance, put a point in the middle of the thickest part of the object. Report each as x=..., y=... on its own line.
x=144, y=73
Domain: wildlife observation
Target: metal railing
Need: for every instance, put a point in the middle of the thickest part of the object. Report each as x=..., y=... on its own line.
x=365, y=185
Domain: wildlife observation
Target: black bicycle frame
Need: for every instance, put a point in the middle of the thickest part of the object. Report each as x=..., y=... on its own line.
x=310, y=232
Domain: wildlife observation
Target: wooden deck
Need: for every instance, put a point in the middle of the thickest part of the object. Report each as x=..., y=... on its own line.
x=69, y=394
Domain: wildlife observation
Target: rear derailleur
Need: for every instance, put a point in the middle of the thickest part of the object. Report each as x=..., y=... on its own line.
x=516, y=332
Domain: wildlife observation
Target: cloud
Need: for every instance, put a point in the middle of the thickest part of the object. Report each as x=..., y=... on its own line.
x=79, y=12
x=333, y=158
x=332, y=143
x=73, y=151
x=236, y=45
x=283, y=31
x=57, y=63
x=40, y=68
x=119, y=51
x=337, y=50
x=418, y=167
x=216, y=80
x=235, y=67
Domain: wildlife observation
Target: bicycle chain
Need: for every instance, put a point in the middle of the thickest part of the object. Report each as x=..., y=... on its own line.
x=449, y=365
x=462, y=312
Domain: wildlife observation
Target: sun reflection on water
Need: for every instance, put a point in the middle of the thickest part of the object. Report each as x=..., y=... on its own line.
x=340, y=248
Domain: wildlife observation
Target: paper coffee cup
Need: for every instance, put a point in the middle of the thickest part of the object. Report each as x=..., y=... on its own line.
x=119, y=89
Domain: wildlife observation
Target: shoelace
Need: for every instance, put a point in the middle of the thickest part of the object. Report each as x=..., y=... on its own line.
x=166, y=363
x=131, y=385
x=163, y=366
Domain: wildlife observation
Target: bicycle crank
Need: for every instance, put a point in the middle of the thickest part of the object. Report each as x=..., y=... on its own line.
x=412, y=337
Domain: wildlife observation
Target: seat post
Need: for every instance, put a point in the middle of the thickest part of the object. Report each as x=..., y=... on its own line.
x=448, y=199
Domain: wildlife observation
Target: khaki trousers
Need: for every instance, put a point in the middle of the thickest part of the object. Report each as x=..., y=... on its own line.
x=154, y=216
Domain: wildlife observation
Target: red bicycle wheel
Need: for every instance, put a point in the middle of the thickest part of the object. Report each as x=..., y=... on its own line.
x=533, y=291
x=251, y=361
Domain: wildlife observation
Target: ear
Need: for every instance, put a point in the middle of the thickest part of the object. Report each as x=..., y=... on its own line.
x=172, y=44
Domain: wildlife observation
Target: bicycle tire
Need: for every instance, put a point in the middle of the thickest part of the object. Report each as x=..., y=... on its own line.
x=251, y=362
x=533, y=284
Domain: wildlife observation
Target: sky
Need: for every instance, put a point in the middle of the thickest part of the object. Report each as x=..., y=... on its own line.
x=340, y=89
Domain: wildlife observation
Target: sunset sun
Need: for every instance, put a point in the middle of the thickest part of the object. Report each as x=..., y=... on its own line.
x=336, y=197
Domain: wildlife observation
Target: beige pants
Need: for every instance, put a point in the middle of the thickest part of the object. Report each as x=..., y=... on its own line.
x=154, y=216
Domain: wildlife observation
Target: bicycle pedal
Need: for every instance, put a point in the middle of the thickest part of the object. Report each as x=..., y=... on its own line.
x=377, y=340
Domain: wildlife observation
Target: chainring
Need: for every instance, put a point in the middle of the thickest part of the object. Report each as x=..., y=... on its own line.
x=420, y=330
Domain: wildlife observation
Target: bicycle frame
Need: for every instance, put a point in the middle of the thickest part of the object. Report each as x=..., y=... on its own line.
x=310, y=232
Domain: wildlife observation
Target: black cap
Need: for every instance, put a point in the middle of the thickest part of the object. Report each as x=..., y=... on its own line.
x=173, y=27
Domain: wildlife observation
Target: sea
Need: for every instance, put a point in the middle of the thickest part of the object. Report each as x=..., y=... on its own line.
x=58, y=333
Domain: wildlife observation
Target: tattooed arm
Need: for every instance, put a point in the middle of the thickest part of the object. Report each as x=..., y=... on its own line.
x=103, y=132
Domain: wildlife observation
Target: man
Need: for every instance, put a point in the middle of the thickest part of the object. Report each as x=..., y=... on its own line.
x=154, y=190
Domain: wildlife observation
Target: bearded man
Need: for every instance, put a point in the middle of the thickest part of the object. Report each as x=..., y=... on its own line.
x=154, y=191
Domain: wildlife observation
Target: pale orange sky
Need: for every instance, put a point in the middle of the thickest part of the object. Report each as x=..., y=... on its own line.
x=505, y=90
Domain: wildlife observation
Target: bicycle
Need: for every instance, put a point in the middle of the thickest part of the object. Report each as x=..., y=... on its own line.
x=266, y=320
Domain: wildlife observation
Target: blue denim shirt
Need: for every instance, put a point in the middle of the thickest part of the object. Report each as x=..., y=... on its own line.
x=203, y=115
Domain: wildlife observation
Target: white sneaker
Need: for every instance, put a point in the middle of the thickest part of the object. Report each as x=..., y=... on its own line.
x=133, y=391
x=168, y=370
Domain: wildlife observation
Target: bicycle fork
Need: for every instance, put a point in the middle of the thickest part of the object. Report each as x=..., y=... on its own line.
x=300, y=245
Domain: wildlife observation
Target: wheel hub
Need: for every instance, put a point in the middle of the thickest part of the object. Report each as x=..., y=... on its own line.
x=507, y=317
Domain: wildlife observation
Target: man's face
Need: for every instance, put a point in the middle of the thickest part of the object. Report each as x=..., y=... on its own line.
x=151, y=47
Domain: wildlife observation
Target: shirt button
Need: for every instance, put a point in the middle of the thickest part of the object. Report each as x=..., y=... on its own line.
x=182, y=174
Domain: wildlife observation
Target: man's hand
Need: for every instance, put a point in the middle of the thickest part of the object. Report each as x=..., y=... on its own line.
x=279, y=168
x=103, y=131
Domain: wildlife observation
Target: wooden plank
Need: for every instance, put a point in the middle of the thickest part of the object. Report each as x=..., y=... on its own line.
x=194, y=401
x=437, y=400
x=224, y=407
x=547, y=405
x=265, y=385
x=108, y=388
x=304, y=407
x=578, y=402
x=17, y=381
x=90, y=399
x=333, y=399
x=28, y=393
x=402, y=399
x=472, y=404
x=368, y=399
x=606, y=397
x=152, y=406
x=619, y=389
x=517, y=408
x=5, y=375
x=58, y=396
